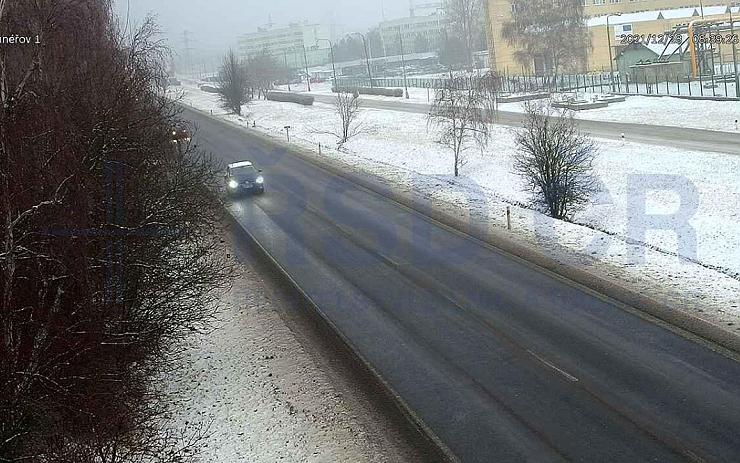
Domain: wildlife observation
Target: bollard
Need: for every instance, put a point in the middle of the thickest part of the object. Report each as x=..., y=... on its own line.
x=735, y=125
x=622, y=138
x=508, y=218
x=319, y=149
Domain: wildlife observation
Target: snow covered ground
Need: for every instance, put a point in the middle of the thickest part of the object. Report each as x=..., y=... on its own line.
x=608, y=234
x=262, y=396
x=670, y=111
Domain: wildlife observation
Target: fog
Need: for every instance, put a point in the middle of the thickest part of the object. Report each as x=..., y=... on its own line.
x=214, y=25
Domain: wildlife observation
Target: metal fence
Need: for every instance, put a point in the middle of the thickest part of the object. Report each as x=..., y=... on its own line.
x=722, y=84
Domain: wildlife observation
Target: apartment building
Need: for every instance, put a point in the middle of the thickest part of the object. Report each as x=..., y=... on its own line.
x=419, y=33
x=289, y=41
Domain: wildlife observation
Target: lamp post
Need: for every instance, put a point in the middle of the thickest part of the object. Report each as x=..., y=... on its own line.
x=287, y=71
x=367, y=57
x=333, y=66
x=734, y=55
x=403, y=63
x=305, y=63
x=609, y=42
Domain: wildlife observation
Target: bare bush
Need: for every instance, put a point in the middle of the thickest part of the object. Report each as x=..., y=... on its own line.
x=457, y=114
x=108, y=237
x=347, y=108
x=556, y=162
x=233, y=83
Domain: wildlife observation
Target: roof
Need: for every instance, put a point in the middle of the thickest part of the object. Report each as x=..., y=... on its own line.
x=656, y=48
x=654, y=15
x=236, y=165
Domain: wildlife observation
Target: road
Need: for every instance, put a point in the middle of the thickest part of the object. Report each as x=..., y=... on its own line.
x=677, y=137
x=500, y=360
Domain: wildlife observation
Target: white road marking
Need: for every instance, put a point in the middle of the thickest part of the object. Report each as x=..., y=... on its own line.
x=552, y=366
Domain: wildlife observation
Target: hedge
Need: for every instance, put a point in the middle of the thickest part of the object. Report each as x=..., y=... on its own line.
x=306, y=100
x=396, y=92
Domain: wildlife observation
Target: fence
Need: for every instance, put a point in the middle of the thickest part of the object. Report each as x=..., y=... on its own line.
x=721, y=84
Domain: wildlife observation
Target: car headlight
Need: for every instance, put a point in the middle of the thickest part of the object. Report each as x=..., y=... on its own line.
x=260, y=180
x=233, y=184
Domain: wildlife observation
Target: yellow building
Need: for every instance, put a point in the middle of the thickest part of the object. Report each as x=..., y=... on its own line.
x=634, y=17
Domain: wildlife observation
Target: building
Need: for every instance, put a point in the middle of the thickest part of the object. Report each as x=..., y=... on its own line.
x=641, y=62
x=419, y=34
x=289, y=42
x=634, y=17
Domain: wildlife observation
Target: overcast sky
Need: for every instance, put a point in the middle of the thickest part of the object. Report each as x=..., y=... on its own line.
x=215, y=24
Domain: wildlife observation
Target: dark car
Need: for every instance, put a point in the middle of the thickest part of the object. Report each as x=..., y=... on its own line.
x=243, y=177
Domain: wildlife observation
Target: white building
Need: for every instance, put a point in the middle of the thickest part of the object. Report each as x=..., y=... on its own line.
x=289, y=41
x=414, y=30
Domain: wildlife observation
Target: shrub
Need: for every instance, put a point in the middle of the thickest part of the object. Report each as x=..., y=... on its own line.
x=394, y=92
x=305, y=100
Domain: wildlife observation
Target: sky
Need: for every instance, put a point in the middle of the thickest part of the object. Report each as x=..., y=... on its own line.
x=214, y=25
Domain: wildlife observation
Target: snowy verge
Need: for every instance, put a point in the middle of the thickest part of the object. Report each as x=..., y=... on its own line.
x=263, y=398
x=701, y=279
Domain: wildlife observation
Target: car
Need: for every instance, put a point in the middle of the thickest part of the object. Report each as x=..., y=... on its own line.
x=242, y=177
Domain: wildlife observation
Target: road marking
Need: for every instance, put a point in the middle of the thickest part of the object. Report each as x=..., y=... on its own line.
x=552, y=366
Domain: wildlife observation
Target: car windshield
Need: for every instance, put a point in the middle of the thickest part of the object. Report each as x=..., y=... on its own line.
x=242, y=171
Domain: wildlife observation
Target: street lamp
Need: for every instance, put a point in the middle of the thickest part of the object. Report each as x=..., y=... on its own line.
x=367, y=57
x=403, y=63
x=305, y=63
x=333, y=66
x=734, y=55
x=609, y=41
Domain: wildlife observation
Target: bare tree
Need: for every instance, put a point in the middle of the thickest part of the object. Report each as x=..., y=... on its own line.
x=233, y=83
x=347, y=108
x=108, y=237
x=466, y=20
x=457, y=114
x=263, y=70
x=549, y=35
x=556, y=162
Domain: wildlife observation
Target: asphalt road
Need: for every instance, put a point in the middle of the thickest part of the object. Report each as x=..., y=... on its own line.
x=676, y=137
x=501, y=361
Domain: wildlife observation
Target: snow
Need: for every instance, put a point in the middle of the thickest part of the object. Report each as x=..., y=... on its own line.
x=653, y=110
x=397, y=147
x=262, y=398
x=667, y=111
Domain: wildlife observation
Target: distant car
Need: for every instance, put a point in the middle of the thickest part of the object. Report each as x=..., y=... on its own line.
x=180, y=135
x=242, y=177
